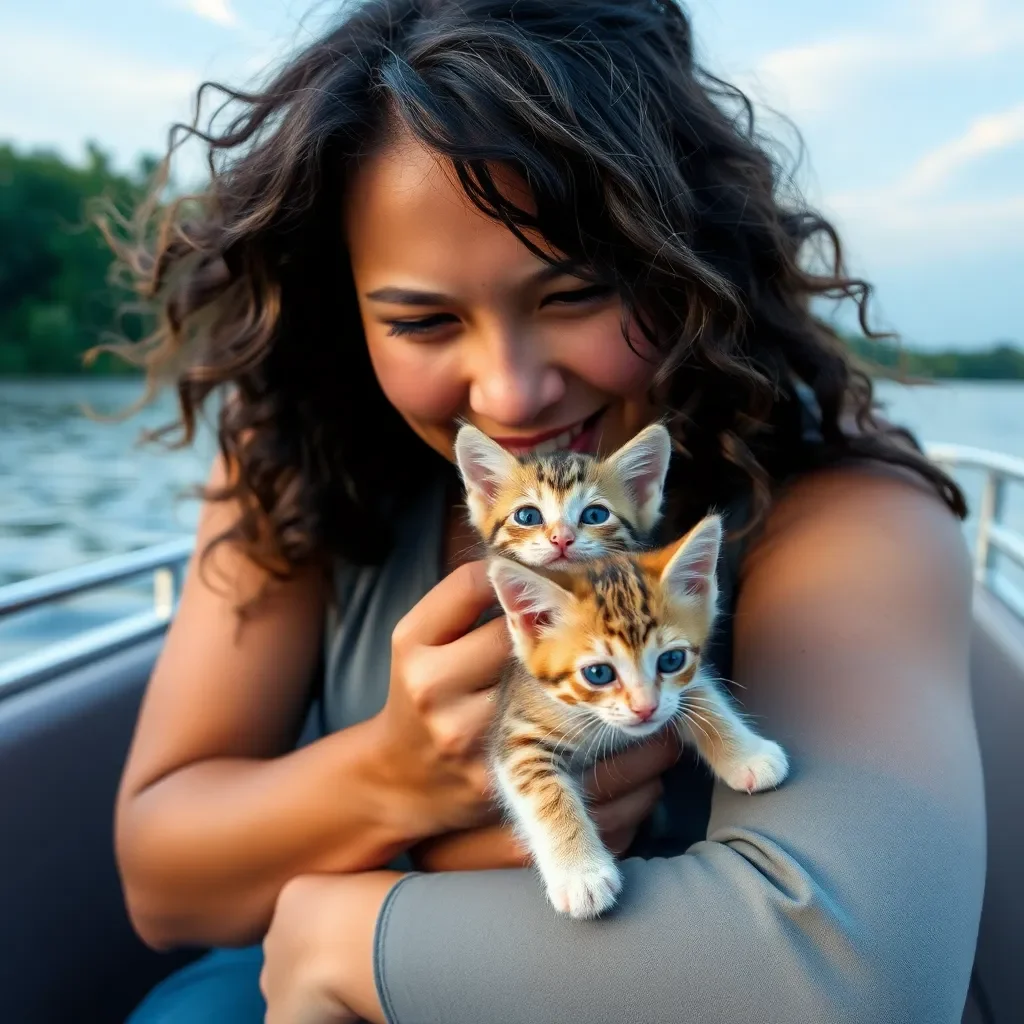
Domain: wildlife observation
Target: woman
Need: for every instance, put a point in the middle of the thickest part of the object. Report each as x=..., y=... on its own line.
x=537, y=216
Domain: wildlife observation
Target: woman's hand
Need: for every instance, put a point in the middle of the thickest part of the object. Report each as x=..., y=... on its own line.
x=624, y=790
x=318, y=951
x=440, y=705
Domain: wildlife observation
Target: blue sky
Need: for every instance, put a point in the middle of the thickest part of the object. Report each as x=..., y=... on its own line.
x=912, y=112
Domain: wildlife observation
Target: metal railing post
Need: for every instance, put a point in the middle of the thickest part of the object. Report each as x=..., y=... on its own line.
x=990, y=511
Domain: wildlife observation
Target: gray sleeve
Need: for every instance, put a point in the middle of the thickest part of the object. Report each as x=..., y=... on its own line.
x=852, y=894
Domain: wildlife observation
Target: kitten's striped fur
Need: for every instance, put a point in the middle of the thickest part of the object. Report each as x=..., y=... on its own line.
x=623, y=612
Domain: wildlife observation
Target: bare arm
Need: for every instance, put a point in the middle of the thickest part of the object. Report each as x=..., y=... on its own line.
x=214, y=815
x=852, y=894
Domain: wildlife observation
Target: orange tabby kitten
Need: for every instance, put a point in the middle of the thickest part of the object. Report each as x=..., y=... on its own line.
x=607, y=654
x=563, y=507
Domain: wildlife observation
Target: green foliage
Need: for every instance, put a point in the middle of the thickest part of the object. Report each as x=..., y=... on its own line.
x=1001, y=361
x=55, y=297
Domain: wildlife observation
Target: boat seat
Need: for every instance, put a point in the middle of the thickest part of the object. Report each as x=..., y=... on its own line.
x=997, y=675
x=68, y=950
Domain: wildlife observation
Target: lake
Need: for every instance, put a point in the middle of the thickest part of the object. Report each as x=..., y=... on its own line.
x=73, y=489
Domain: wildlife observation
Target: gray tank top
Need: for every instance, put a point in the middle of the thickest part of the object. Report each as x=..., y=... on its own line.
x=371, y=600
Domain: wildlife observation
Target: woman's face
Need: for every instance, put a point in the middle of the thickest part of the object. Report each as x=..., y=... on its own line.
x=463, y=322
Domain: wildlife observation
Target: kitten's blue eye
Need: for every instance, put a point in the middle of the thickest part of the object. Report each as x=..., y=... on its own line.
x=528, y=516
x=599, y=675
x=671, y=661
x=594, y=515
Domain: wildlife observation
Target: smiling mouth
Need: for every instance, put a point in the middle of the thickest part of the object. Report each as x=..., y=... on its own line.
x=575, y=438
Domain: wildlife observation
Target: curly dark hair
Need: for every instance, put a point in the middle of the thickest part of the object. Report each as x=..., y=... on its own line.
x=642, y=167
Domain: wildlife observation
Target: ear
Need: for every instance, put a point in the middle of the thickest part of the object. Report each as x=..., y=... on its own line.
x=690, y=573
x=483, y=463
x=531, y=600
x=641, y=465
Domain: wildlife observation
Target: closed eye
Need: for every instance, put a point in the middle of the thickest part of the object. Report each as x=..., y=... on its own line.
x=420, y=326
x=591, y=293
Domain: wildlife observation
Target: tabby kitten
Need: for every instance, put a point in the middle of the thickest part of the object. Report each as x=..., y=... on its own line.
x=563, y=507
x=606, y=655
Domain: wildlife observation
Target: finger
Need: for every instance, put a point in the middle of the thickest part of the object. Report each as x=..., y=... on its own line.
x=625, y=771
x=460, y=729
x=474, y=661
x=450, y=608
x=625, y=813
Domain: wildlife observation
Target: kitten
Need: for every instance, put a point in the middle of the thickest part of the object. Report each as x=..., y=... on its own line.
x=606, y=655
x=563, y=507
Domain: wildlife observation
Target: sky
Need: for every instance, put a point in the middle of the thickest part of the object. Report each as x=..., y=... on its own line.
x=911, y=114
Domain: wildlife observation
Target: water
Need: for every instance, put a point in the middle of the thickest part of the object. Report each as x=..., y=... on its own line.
x=73, y=489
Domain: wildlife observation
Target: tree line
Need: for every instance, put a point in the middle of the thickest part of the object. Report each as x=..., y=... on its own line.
x=57, y=299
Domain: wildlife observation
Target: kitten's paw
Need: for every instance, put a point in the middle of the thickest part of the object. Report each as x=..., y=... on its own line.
x=763, y=765
x=584, y=890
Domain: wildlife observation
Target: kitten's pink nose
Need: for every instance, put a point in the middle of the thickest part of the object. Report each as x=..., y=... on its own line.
x=561, y=536
x=644, y=711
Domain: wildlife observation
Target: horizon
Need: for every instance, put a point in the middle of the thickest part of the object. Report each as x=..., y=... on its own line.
x=912, y=117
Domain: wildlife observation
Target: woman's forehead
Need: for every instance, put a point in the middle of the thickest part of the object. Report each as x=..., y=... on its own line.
x=407, y=215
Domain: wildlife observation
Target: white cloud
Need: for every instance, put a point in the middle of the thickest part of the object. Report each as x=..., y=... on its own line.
x=808, y=80
x=895, y=233
x=124, y=102
x=220, y=12
x=986, y=135
x=919, y=218
x=975, y=28
x=124, y=83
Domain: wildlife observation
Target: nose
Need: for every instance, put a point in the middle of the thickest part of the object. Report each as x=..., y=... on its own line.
x=644, y=711
x=562, y=536
x=513, y=381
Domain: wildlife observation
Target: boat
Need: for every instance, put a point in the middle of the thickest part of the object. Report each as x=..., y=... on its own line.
x=67, y=713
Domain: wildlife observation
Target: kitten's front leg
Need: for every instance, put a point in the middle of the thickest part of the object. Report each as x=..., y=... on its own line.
x=740, y=757
x=580, y=875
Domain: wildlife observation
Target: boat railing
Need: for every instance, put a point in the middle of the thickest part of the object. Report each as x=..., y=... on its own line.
x=995, y=538
x=165, y=565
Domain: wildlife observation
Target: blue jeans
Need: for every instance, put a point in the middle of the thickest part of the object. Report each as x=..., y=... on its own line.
x=221, y=987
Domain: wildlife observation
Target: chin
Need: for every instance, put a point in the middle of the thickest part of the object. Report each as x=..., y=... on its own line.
x=573, y=559
x=642, y=729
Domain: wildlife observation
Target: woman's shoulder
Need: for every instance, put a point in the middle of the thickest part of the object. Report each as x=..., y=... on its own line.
x=842, y=536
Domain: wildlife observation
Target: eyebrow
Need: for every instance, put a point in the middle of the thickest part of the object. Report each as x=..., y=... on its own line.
x=415, y=297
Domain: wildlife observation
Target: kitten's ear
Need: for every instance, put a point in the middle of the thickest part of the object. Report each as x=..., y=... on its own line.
x=531, y=600
x=641, y=465
x=483, y=463
x=690, y=573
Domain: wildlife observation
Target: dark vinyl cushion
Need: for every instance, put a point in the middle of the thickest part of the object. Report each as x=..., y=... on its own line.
x=67, y=950
x=997, y=674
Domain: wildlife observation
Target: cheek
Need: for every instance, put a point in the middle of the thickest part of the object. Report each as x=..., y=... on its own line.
x=419, y=379
x=598, y=354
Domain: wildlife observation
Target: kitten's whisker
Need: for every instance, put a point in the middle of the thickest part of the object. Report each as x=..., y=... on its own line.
x=694, y=724
x=696, y=715
x=606, y=730
x=570, y=740
x=579, y=729
x=732, y=682
x=708, y=706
